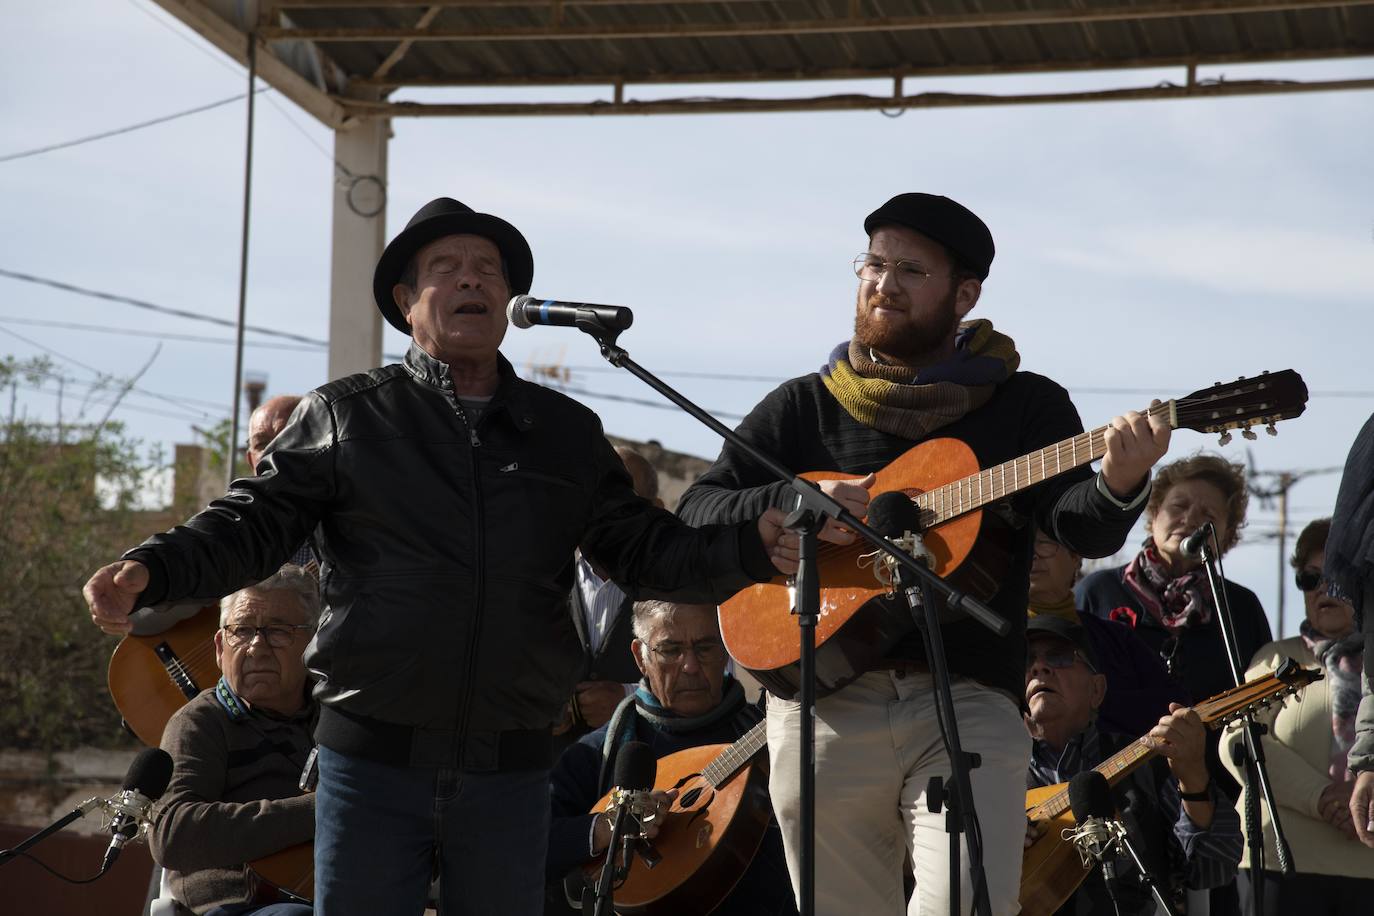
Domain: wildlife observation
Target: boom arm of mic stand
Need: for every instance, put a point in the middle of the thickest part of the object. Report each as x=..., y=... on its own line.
x=1252, y=734
x=809, y=495
x=81, y=810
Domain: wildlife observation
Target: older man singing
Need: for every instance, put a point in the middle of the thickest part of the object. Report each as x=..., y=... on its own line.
x=445, y=498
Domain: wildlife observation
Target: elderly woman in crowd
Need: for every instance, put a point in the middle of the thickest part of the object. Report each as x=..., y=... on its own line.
x=1306, y=748
x=1164, y=595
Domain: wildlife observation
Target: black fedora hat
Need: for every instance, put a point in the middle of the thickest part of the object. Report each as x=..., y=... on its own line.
x=436, y=219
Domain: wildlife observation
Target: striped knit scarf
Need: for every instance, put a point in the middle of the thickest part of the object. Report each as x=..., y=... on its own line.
x=914, y=403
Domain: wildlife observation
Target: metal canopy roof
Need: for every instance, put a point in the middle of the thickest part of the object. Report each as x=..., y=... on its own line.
x=342, y=59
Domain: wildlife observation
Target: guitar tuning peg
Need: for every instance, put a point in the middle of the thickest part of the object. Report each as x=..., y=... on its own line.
x=1249, y=433
x=1224, y=438
x=1271, y=430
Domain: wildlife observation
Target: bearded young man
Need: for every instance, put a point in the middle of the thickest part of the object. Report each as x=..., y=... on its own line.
x=914, y=370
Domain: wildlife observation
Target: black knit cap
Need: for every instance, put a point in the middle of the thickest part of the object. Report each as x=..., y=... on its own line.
x=1067, y=630
x=946, y=221
x=436, y=219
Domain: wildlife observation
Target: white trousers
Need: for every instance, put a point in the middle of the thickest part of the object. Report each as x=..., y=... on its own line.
x=877, y=746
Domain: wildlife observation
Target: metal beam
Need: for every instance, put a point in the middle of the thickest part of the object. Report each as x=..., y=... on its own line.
x=780, y=26
x=402, y=49
x=233, y=42
x=842, y=102
x=398, y=4
x=997, y=68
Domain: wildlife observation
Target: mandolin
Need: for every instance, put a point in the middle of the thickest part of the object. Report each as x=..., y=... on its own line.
x=151, y=677
x=710, y=834
x=1051, y=869
x=961, y=529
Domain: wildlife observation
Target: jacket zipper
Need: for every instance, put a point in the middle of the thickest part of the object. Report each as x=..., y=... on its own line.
x=479, y=589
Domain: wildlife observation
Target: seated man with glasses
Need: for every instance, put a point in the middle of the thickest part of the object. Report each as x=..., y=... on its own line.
x=1179, y=822
x=1140, y=689
x=686, y=699
x=238, y=750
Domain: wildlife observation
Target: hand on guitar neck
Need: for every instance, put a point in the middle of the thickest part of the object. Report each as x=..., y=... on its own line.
x=1135, y=441
x=111, y=592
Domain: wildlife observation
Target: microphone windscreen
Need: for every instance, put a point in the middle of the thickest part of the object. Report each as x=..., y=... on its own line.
x=893, y=513
x=515, y=311
x=149, y=773
x=1090, y=796
x=635, y=767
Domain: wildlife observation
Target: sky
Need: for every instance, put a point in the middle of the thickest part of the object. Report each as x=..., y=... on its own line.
x=1145, y=249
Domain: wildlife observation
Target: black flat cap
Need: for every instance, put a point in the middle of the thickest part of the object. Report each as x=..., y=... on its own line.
x=436, y=219
x=946, y=221
x=1067, y=630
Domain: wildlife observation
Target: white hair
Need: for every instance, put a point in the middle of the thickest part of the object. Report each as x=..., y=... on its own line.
x=298, y=580
x=653, y=613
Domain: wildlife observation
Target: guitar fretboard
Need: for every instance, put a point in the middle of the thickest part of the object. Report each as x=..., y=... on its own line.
x=1215, y=712
x=1000, y=481
x=736, y=755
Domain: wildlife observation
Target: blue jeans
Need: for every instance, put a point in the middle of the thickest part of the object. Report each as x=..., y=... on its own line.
x=380, y=829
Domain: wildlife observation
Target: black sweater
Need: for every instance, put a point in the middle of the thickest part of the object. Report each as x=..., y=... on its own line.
x=802, y=425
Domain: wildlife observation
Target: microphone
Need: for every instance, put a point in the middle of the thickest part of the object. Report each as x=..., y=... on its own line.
x=1098, y=831
x=635, y=771
x=896, y=517
x=1192, y=545
x=144, y=784
x=527, y=311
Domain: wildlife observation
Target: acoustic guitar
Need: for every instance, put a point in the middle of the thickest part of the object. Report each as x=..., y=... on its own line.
x=708, y=838
x=151, y=677
x=1051, y=869
x=962, y=528
x=710, y=834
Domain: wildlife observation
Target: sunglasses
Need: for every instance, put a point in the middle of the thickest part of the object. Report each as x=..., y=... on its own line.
x=1058, y=658
x=1308, y=579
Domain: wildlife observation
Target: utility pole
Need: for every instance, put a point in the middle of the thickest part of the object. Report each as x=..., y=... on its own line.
x=1283, y=482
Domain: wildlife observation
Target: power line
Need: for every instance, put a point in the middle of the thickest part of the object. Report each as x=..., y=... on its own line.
x=178, y=402
x=10, y=157
x=157, y=335
x=139, y=303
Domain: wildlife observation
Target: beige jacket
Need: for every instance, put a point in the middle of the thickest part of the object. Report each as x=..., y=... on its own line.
x=1298, y=750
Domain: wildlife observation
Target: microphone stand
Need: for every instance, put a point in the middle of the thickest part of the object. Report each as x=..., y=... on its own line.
x=813, y=508
x=960, y=813
x=81, y=810
x=1255, y=768
x=610, y=872
x=1145, y=876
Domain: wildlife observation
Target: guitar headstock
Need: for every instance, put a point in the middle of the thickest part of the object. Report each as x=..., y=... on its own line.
x=1260, y=401
x=1262, y=692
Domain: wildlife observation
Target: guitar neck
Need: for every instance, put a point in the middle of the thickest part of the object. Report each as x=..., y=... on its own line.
x=1000, y=481
x=1120, y=765
x=734, y=757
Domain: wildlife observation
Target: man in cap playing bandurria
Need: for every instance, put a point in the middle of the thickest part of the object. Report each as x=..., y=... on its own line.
x=445, y=498
x=913, y=370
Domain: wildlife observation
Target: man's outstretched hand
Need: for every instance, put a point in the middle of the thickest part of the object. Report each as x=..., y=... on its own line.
x=110, y=594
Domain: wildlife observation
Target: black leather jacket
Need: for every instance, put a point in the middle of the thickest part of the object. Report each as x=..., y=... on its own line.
x=447, y=556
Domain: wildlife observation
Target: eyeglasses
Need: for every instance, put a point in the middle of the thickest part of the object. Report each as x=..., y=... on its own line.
x=870, y=267
x=1058, y=658
x=1308, y=579
x=278, y=635
x=673, y=652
